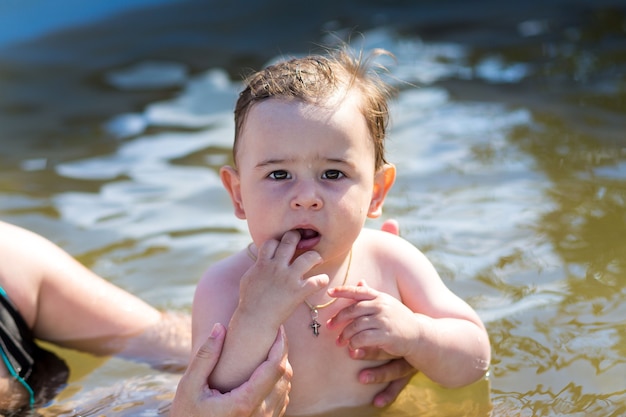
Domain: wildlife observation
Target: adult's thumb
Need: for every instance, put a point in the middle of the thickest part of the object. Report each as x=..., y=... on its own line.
x=206, y=358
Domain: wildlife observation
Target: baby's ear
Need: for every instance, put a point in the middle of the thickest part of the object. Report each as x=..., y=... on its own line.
x=230, y=179
x=383, y=180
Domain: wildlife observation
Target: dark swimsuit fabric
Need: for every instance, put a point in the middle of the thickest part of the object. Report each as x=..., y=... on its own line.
x=41, y=372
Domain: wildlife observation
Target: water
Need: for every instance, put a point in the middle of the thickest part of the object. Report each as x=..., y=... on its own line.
x=508, y=135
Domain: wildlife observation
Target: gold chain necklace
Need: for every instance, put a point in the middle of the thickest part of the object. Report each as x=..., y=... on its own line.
x=315, y=325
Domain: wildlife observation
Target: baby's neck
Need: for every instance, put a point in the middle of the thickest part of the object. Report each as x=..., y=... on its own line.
x=338, y=271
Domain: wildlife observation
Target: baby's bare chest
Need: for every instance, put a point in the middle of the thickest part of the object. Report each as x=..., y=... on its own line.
x=325, y=376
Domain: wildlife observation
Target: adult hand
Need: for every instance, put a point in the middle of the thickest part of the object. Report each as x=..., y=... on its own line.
x=265, y=394
x=397, y=372
x=391, y=226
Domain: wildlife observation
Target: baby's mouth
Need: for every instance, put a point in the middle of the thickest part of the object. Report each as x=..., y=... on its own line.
x=306, y=234
x=309, y=238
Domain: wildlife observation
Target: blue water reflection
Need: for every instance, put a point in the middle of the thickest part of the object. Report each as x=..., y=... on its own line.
x=28, y=19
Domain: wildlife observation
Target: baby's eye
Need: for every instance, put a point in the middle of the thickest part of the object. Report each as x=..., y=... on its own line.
x=333, y=174
x=279, y=175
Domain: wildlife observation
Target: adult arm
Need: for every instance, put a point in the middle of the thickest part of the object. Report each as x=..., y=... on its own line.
x=48, y=286
x=65, y=303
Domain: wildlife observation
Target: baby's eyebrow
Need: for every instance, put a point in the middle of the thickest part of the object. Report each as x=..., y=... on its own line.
x=338, y=160
x=282, y=161
x=275, y=161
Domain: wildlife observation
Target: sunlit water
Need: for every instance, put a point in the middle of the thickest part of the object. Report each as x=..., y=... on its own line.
x=512, y=179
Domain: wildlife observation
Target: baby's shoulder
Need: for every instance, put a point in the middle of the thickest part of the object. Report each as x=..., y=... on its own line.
x=384, y=242
x=391, y=250
x=226, y=272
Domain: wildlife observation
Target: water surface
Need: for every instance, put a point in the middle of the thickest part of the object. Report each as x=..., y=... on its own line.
x=508, y=135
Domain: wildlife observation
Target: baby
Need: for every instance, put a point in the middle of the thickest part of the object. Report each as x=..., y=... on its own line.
x=309, y=170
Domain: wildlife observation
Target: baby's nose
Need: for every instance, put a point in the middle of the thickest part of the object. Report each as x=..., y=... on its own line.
x=307, y=197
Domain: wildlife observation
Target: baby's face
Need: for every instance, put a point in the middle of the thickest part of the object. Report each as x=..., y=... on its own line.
x=306, y=168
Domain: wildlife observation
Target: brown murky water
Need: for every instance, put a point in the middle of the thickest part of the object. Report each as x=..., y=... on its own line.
x=509, y=134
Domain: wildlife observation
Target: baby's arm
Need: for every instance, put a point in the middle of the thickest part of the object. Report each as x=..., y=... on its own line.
x=433, y=329
x=269, y=292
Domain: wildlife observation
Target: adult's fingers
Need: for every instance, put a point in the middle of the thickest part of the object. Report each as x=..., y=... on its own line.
x=270, y=383
x=204, y=361
x=397, y=372
x=371, y=354
x=391, y=392
x=391, y=226
x=192, y=391
x=276, y=365
x=388, y=372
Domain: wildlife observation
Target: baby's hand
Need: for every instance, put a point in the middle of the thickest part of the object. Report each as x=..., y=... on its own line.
x=275, y=283
x=375, y=320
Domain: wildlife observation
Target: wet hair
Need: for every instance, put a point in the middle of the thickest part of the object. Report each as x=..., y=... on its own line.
x=315, y=79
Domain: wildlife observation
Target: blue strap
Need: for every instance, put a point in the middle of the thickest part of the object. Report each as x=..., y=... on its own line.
x=31, y=393
x=9, y=366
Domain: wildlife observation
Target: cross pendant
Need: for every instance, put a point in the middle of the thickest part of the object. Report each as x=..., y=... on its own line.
x=316, y=327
